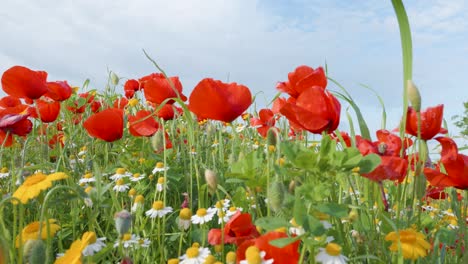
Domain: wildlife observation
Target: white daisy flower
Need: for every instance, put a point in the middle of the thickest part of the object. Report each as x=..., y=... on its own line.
x=119, y=174
x=296, y=229
x=233, y=210
x=158, y=210
x=87, y=178
x=240, y=128
x=193, y=151
x=195, y=255
x=203, y=215
x=131, y=241
x=331, y=254
x=120, y=186
x=215, y=143
x=95, y=247
x=4, y=173
x=138, y=202
x=159, y=167
x=160, y=185
x=137, y=177
x=83, y=151
x=144, y=242
x=254, y=252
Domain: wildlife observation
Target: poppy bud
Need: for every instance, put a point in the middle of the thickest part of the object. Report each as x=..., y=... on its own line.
x=211, y=180
x=123, y=221
x=114, y=78
x=276, y=196
x=413, y=96
x=272, y=137
x=35, y=251
x=157, y=141
x=292, y=187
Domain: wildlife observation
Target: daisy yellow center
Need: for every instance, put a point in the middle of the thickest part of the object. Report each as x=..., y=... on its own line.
x=126, y=237
x=252, y=255
x=161, y=180
x=196, y=244
x=133, y=102
x=231, y=257
x=4, y=170
x=136, y=175
x=192, y=252
x=232, y=208
x=120, y=182
x=34, y=179
x=88, y=175
x=356, y=169
x=141, y=241
x=139, y=198
x=159, y=165
x=132, y=192
x=333, y=249
x=120, y=171
x=201, y=212
x=185, y=214
x=219, y=204
x=88, y=189
x=158, y=205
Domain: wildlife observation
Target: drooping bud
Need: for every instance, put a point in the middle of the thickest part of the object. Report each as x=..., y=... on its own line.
x=211, y=181
x=114, y=78
x=123, y=221
x=157, y=140
x=35, y=251
x=272, y=137
x=276, y=196
x=413, y=95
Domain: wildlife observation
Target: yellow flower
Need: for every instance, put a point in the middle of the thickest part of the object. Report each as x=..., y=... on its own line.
x=413, y=244
x=34, y=184
x=31, y=231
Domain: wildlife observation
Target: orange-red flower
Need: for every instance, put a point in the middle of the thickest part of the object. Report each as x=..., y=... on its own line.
x=213, y=99
x=23, y=82
x=287, y=254
x=265, y=120
x=130, y=87
x=120, y=103
x=142, y=124
x=9, y=101
x=157, y=88
x=58, y=91
x=454, y=164
x=14, y=120
x=168, y=111
x=301, y=79
x=47, y=110
x=238, y=229
x=431, y=122
x=106, y=125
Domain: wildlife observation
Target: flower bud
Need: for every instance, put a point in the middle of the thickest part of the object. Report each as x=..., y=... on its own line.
x=272, y=136
x=35, y=251
x=276, y=196
x=114, y=78
x=211, y=180
x=413, y=96
x=123, y=221
x=157, y=140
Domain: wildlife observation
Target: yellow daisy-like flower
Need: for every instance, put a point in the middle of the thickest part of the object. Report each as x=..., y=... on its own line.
x=34, y=184
x=31, y=231
x=79, y=247
x=413, y=244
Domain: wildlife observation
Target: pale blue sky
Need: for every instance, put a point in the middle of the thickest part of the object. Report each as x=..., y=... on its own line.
x=255, y=43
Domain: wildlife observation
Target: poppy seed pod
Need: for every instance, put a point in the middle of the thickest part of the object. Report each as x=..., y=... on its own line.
x=211, y=180
x=413, y=95
x=272, y=137
x=123, y=221
x=276, y=196
x=35, y=251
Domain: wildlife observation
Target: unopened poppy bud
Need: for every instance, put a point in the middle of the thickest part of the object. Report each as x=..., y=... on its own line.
x=272, y=137
x=114, y=78
x=211, y=180
x=292, y=187
x=413, y=96
x=276, y=196
x=123, y=221
x=35, y=251
x=157, y=141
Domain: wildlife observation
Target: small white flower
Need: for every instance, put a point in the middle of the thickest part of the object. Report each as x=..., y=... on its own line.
x=331, y=254
x=137, y=177
x=92, y=249
x=4, y=173
x=254, y=251
x=120, y=173
x=132, y=241
x=120, y=186
x=240, y=128
x=87, y=178
x=203, y=215
x=159, y=167
x=195, y=255
x=158, y=210
x=233, y=210
x=160, y=185
x=144, y=242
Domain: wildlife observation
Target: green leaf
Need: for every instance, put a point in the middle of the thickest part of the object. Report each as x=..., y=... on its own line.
x=299, y=210
x=271, y=223
x=282, y=242
x=369, y=163
x=314, y=226
x=333, y=209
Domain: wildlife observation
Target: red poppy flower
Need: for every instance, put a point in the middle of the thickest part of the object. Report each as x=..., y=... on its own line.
x=9, y=101
x=142, y=124
x=79, y=105
x=276, y=109
x=106, y=125
x=344, y=135
x=435, y=192
x=287, y=254
x=301, y=79
x=213, y=99
x=315, y=110
x=455, y=165
x=58, y=91
x=265, y=120
x=22, y=82
x=157, y=88
x=168, y=112
x=95, y=106
x=431, y=122
x=13, y=120
x=47, y=110
x=130, y=87
x=120, y=103
x=57, y=138
x=238, y=229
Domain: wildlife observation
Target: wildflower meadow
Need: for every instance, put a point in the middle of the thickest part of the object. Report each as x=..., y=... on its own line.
x=141, y=172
